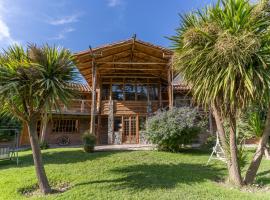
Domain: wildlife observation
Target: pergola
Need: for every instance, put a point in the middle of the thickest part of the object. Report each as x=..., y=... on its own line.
x=131, y=58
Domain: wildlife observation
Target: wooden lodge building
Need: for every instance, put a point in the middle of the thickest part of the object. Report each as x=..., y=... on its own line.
x=127, y=81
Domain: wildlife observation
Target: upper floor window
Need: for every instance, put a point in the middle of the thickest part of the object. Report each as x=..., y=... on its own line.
x=106, y=91
x=117, y=92
x=153, y=91
x=130, y=92
x=142, y=92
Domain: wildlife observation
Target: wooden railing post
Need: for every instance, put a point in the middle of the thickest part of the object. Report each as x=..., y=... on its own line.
x=82, y=106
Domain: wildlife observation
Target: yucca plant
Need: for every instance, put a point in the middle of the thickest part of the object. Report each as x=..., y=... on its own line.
x=89, y=142
x=223, y=54
x=32, y=82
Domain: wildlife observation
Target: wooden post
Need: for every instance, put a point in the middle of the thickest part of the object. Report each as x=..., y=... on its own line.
x=137, y=129
x=160, y=96
x=170, y=88
x=98, y=132
x=82, y=106
x=93, y=105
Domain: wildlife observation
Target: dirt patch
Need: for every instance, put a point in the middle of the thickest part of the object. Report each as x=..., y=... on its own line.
x=34, y=190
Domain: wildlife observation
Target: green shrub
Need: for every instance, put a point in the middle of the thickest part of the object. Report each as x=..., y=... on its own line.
x=89, y=142
x=172, y=130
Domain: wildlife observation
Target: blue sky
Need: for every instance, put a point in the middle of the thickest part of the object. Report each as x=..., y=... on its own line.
x=76, y=24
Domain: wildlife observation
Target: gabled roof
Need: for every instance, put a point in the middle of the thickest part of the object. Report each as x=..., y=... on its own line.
x=123, y=42
x=126, y=57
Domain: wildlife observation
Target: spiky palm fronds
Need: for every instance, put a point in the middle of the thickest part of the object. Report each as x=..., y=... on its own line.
x=35, y=80
x=223, y=53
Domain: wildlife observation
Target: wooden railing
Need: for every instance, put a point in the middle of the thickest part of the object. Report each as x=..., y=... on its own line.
x=75, y=106
x=132, y=107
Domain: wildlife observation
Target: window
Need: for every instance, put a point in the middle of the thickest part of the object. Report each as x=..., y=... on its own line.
x=105, y=91
x=130, y=92
x=117, y=92
x=142, y=92
x=153, y=92
x=65, y=126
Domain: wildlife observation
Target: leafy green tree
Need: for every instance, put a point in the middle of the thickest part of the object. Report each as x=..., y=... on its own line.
x=172, y=130
x=223, y=53
x=32, y=82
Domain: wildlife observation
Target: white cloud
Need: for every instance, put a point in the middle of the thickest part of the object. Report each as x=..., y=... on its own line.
x=62, y=35
x=114, y=3
x=64, y=20
x=5, y=35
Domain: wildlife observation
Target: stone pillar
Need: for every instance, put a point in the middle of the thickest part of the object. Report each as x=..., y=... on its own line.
x=111, y=123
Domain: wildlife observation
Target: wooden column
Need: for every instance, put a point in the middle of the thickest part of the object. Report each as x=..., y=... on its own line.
x=94, y=99
x=170, y=88
x=160, y=95
x=98, y=130
x=137, y=129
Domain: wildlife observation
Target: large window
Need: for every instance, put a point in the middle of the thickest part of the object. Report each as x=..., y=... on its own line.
x=130, y=92
x=106, y=91
x=65, y=126
x=142, y=92
x=117, y=92
x=153, y=91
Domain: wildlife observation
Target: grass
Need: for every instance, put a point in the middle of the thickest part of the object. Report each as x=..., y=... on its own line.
x=125, y=175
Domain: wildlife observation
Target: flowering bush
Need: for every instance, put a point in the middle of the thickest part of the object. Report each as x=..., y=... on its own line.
x=173, y=129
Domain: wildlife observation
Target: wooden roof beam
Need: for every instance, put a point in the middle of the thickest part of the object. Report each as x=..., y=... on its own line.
x=132, y=48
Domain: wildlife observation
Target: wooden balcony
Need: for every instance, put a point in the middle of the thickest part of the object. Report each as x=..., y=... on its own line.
x=75, y=107
x=132, y=107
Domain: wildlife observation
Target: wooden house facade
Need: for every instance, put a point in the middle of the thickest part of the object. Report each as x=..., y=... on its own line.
x=127, y=82
x=131, y=79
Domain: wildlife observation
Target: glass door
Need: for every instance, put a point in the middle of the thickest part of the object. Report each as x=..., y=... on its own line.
x=130, y=133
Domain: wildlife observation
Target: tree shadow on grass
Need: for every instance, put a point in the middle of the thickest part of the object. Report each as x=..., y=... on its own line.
x=154, y=176
x=53, y=156
x=263, y=177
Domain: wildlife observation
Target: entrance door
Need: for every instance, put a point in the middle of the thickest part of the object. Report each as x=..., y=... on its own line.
x=130, y=129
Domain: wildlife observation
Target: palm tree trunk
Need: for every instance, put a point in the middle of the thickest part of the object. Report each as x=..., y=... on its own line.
x=39, y=167
x=220, y=128
x=44, y=128
x=257, y=158
x=234, y=169
x=232, y=165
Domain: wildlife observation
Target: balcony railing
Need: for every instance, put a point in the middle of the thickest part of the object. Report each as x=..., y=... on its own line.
x=75, y=106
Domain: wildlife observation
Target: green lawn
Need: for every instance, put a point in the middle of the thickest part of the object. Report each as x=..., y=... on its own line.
x=125, y=175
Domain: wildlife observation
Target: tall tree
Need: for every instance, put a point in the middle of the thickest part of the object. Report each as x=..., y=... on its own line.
x=32, y=82
x=223, y=53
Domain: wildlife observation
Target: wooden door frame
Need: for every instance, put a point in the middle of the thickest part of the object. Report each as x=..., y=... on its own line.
x=129, y=117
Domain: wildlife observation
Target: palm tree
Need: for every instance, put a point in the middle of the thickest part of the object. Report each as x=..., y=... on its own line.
x=31, y=83
x=223, y=53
